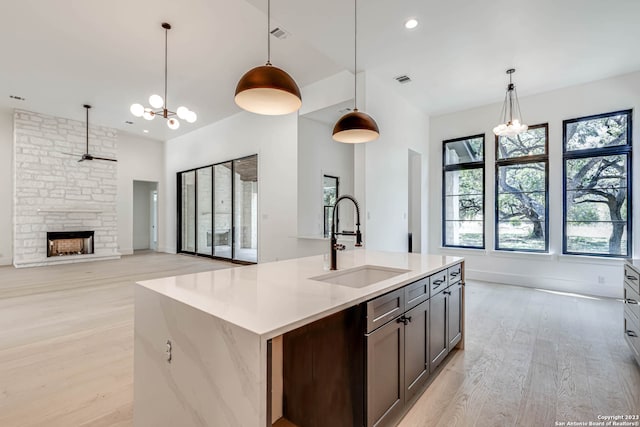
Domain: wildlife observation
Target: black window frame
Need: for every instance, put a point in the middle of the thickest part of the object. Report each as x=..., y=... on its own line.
x=626, y=149
x=537, y=158
x=464, y=166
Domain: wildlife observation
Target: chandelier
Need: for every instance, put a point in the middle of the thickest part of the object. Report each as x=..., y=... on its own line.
x=510, y=126
x=159, y=104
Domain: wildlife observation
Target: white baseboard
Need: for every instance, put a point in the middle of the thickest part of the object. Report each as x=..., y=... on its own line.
x=168, y=250
x=6, y=260
x=547, y=283
x=126, y=251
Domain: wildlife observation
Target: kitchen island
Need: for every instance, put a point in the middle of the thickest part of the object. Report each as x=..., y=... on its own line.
x=209, y=346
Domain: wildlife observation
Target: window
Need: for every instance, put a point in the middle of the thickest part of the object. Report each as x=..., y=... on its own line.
x=522, y=168
x=597, y=185
x=463, y=192
x=330, y=193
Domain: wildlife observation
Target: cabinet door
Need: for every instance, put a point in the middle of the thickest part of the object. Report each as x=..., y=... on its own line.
x=416, y=356
x=438, y=329
x=454, y=315
x=385, y=374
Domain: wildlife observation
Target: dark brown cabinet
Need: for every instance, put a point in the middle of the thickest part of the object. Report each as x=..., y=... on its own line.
x=416, y=354
x=437, y=329
x=454, y=315
x=366, y=365
x=385, y=373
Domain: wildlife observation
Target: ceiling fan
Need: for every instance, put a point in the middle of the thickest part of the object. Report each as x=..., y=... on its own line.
x=86, y=155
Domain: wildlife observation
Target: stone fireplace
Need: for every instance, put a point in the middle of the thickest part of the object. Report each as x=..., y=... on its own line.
x=68, y=243
x=58, y=199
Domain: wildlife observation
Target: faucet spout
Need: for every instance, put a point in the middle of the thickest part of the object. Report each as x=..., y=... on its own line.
x=334, y=241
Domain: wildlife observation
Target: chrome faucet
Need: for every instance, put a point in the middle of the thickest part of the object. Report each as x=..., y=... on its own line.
x=335, y=246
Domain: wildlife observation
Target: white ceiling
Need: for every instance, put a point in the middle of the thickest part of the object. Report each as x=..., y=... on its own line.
x=64, y=53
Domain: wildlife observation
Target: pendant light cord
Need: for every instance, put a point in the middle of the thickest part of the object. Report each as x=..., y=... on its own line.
x=166, y=36
x=355, y=55
x=268, y=32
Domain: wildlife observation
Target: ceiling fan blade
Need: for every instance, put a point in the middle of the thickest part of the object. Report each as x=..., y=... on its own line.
x=104, y=158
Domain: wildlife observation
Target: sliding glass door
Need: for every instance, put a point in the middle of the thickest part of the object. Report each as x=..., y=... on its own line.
x=223, y=210
x=245, y=192
x=204, y=219
x=218, y=215
x=188, y=226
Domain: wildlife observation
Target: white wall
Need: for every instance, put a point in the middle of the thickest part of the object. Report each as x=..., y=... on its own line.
x=554, y=270
x=275, y=140
x=318, y=155
x=139, y=159
x=403, y=127
x=6, y=187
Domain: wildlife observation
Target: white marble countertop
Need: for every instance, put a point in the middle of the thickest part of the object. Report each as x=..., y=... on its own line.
x=273, y=298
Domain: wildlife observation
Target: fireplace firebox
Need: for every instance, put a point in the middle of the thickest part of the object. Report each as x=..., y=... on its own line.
x=63, y=243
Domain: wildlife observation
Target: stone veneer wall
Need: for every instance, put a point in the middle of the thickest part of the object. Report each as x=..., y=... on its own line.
x=55, y=192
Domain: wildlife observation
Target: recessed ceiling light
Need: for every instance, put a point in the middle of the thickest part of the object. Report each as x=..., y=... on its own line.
x=145, y=131
x=411, y=23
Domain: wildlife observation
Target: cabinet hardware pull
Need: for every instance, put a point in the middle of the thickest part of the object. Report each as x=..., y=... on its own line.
x=632, y=278
x=631, y=301
x=632, y=334
x=446, y=292
x=404, y=320
x=455, y=273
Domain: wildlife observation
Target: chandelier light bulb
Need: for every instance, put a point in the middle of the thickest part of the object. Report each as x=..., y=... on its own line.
x=173, y=123
x=137, y=110
x=191, y=117
x=148, y=114
x=182, y=112
x=156, y=101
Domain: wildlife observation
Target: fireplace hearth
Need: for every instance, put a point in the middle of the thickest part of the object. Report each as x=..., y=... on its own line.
x=69, y=243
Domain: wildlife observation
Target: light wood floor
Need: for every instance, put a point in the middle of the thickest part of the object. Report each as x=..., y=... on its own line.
x=531, y=357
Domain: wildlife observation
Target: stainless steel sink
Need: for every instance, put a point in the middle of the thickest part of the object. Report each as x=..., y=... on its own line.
x=359, y=277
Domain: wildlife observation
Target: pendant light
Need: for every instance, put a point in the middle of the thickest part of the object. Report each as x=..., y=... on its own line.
x=159, y=104
x=355, y=127
x=267, y=89
x=510, y=126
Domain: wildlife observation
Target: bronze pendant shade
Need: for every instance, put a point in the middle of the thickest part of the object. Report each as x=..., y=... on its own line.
x=355, y=127
x=267, y=89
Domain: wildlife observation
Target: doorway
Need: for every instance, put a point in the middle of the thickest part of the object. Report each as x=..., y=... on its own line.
x=414, y=240
x=145, y=215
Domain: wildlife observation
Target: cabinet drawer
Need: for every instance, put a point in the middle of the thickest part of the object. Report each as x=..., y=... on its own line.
x=632, y=335
x=438, y=282
x=632, y=277
x=416, y=292
x=632, y=301
x=454, y=273
x=384, y=308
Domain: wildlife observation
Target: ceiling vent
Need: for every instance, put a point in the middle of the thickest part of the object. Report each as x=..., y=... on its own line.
x=280, y=33
x=403, y=79
x=18, y=98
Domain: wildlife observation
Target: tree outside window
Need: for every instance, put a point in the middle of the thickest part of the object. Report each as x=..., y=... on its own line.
x=463, y=192
x=522, y=191
x=597, y=183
